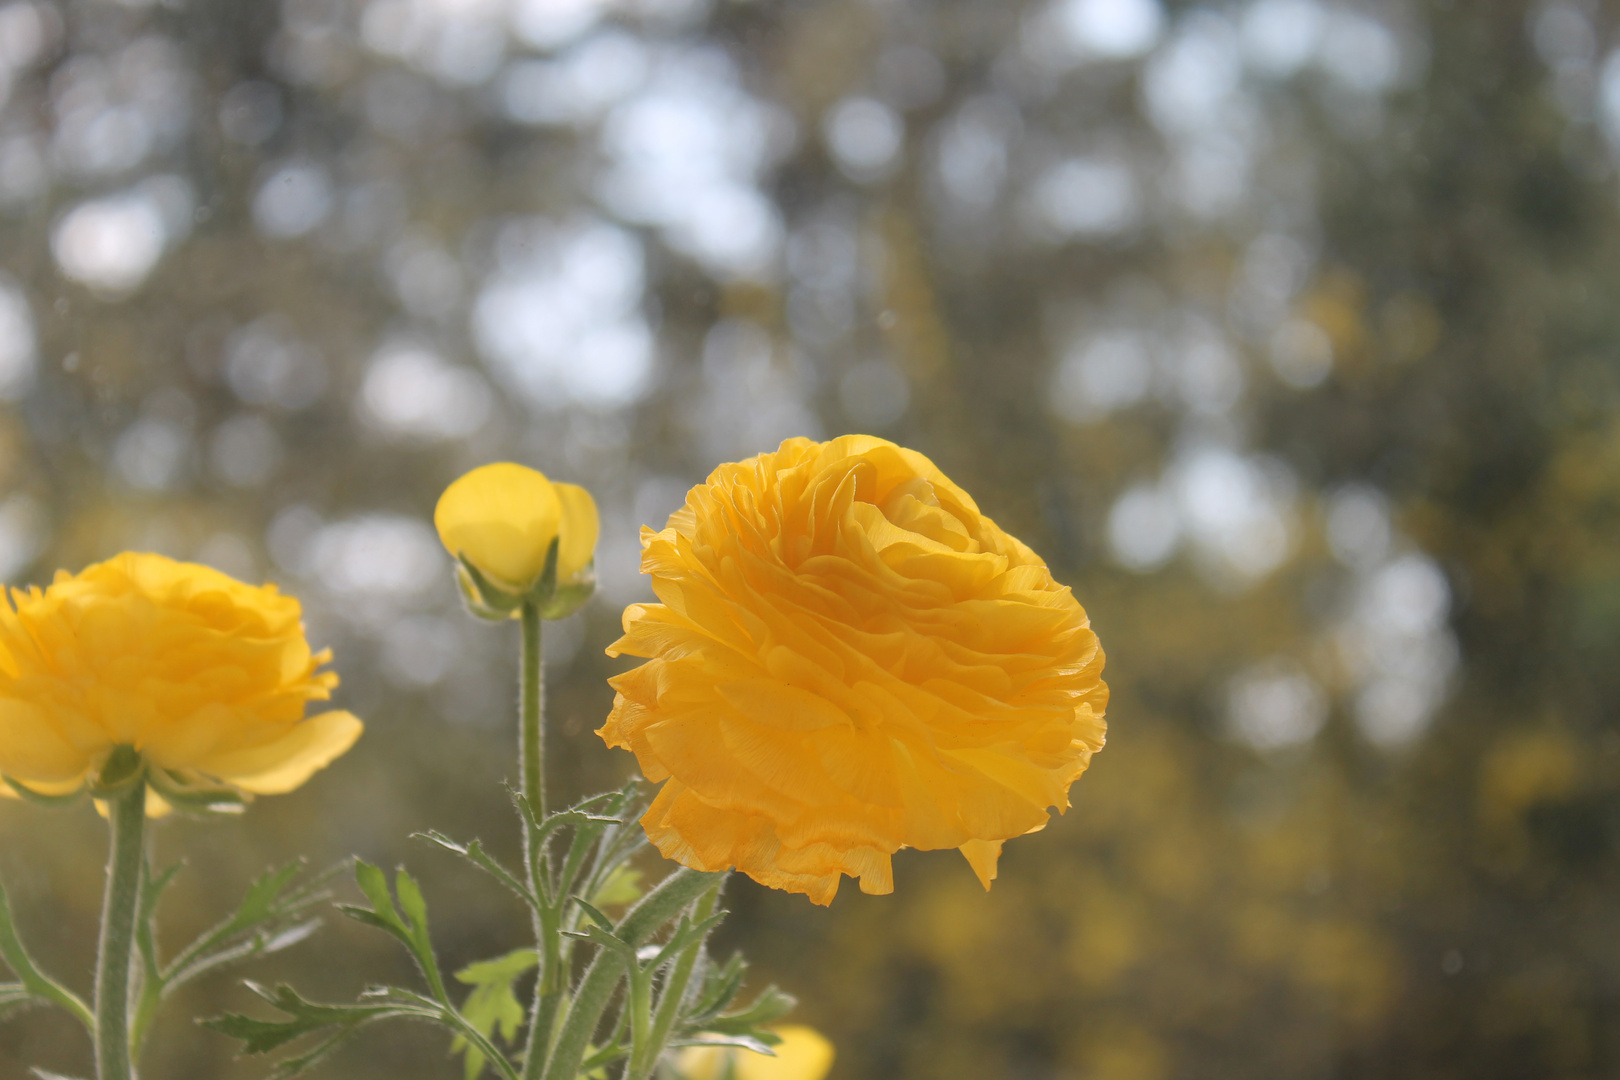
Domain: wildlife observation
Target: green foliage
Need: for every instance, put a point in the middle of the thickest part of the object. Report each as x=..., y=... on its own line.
x=35, y=985
x=338, y=1022
x=492, y=1008
x=673, y=994
x=623, y=886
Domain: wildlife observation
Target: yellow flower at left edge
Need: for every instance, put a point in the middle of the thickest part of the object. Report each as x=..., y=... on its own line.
x=803, y=1054
x=502, y=520
x=205, y=677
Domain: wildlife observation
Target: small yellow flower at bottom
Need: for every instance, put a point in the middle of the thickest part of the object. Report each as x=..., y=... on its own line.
x=205, y=677
x=803, y=1054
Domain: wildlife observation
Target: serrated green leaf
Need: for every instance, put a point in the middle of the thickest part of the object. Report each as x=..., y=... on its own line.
x=623, y=886
x=370, y=918
x=304, y=1017
x=771, y=1005
x=260, y=901
x=374, y=883
x=492, y=1008
x=411, y=901
x=475, y=854
x=505, y=968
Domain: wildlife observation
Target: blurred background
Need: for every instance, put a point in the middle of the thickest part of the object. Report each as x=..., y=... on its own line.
x=1286, y=330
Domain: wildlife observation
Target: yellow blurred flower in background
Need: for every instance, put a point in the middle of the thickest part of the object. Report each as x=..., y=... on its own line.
x=850, y=659
x=206, y=677
x=803, y=1054
x=502, y=518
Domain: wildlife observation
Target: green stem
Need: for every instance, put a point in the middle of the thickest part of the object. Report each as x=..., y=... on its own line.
x=532, y=767
x=669, y=1001
x=655, y=909
x=531, y=708
x=126, y=814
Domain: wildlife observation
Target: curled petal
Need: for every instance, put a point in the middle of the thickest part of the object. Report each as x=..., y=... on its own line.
x=284, y=763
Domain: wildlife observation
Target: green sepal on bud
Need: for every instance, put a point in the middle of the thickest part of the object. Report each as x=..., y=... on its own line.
x=491, y=600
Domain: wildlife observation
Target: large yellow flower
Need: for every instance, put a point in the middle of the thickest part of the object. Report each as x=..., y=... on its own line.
x=204, y=676
x=850, y=659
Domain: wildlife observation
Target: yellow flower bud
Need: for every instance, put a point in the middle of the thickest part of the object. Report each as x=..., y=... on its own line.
x=803, y=1054
x=502, y=518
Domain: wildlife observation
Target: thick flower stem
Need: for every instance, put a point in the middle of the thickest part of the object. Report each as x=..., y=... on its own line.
x=126, y=814
x=532, y=766
x=531, y=710
x=652, y=911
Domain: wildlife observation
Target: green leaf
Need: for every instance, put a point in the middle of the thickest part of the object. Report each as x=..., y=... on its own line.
x=374, y=883
x=596, y=1059
x=36, y=982
x=411, y=900
x=771, y=1005
x=492, y=1007
x=475, y=854
x=623, y=886
x=595, y=916
x=304, y=1017
x=370, y=918
x=269, y=919
x=14, y=996
x=743, y=1042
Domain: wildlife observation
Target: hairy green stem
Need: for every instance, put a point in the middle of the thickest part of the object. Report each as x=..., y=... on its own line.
x=585, y=1011
x=669, y=1001
x=532, y=758
x=126, y=814
x=531, y=710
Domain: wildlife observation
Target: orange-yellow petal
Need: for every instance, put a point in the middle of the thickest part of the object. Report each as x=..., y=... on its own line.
x=285, y=763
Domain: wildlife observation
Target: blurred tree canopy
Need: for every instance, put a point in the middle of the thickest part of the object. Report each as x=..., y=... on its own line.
x=1283, y=329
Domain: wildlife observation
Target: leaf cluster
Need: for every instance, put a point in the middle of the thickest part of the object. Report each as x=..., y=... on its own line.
x=651, y=961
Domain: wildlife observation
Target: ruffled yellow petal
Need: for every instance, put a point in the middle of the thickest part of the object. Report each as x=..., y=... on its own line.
x=198, y=672
x=850, y=658
x=502, y=518
x=982, y=855
x=33, y=751
x=285, y=763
